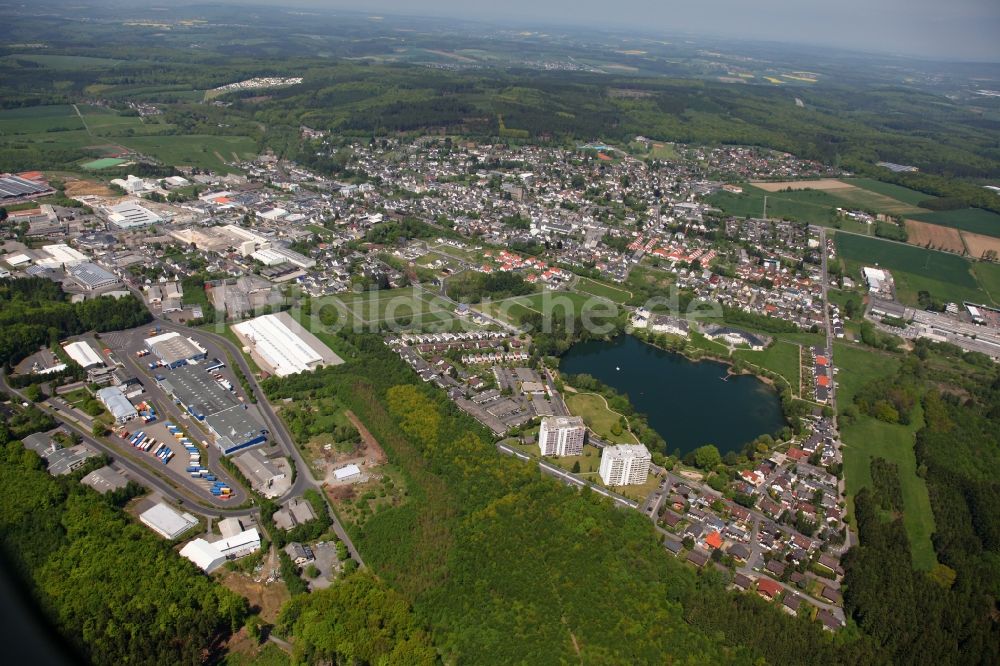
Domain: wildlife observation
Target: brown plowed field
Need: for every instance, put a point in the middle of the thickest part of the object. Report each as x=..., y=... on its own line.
x=940, y=238
x=978, y=244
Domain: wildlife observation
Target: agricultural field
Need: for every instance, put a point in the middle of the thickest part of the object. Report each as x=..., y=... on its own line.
x=897, y=192
x=934, y=236
x=979, y=245
x=603, y=290
x=39, y=119
x=213, y=152
x=812, y=206
x=819, y=184
x=975, y=220
x=945, y=276
x=64, y=62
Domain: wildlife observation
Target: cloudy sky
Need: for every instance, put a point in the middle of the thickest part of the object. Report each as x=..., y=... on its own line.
x=949, y=29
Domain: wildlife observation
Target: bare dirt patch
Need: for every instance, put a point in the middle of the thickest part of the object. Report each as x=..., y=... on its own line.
x=78, y=188
x=935, y=236
x=371, y=448
x=268, y=597
x=979, y=244
x=821, y=184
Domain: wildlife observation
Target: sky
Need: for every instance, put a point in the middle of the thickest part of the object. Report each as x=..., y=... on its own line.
x=937, y=29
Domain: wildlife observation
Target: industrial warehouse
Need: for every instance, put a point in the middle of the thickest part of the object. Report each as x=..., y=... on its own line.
x=173, y=349
x=280, y=344
x=232, y=424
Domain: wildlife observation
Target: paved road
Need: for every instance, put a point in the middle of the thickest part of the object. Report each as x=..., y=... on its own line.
x=563, y=475
x=303, y=477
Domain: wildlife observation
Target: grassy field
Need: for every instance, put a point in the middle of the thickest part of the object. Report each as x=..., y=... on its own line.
x=38, y=119
x=781, y=357
x=989, y=278
x=588, y=286
x=400, y=306
x=946, y=276
x=69, y=62
x=598, y=416
x=103, y=163
x=206, y=151
x=869, y=438
x=874, y=200
x=897, y=192
x=813, y=206
x=976, y=220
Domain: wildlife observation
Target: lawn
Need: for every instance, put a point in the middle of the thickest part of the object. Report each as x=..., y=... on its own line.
x=604, y=290
x=781, y=357
x=946, y=276
x=212, y=152
x=976, y=220
x=869, y=438
x=598, y=416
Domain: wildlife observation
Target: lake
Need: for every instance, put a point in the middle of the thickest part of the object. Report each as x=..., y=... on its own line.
x=686, y=401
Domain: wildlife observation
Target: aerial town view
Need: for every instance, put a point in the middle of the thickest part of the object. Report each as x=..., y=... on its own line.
x=435, y=334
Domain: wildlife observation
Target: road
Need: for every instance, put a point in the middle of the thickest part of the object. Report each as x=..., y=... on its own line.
x=567, y=477
x=303, y=477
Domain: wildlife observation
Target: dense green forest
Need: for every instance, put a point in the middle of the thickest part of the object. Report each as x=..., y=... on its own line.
x=486, y=549
x=35, y=312
x=117, y=592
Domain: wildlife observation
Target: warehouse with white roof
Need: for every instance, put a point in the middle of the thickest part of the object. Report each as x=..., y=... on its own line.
x=283, y=346
x=59, y=255
x=166, y=521
x=83, y=354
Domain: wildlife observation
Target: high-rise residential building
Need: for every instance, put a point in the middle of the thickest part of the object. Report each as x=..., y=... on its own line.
x=562, y=436
x=625, y=465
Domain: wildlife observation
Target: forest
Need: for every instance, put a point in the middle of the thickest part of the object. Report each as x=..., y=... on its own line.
x=485, y=548
x=89, y=566
x=35, y=312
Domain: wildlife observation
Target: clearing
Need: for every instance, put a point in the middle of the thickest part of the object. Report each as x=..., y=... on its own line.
x=869, y=438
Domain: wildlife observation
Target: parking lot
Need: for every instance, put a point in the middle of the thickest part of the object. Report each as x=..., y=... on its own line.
x=126, y=344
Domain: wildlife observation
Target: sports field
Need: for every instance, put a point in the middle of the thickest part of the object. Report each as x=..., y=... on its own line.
x=945, y=276
x=103, y=163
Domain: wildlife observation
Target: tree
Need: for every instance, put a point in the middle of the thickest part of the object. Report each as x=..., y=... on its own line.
x=576, y=467
x=34, y=393
x=704, y=457
x=312, y=571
